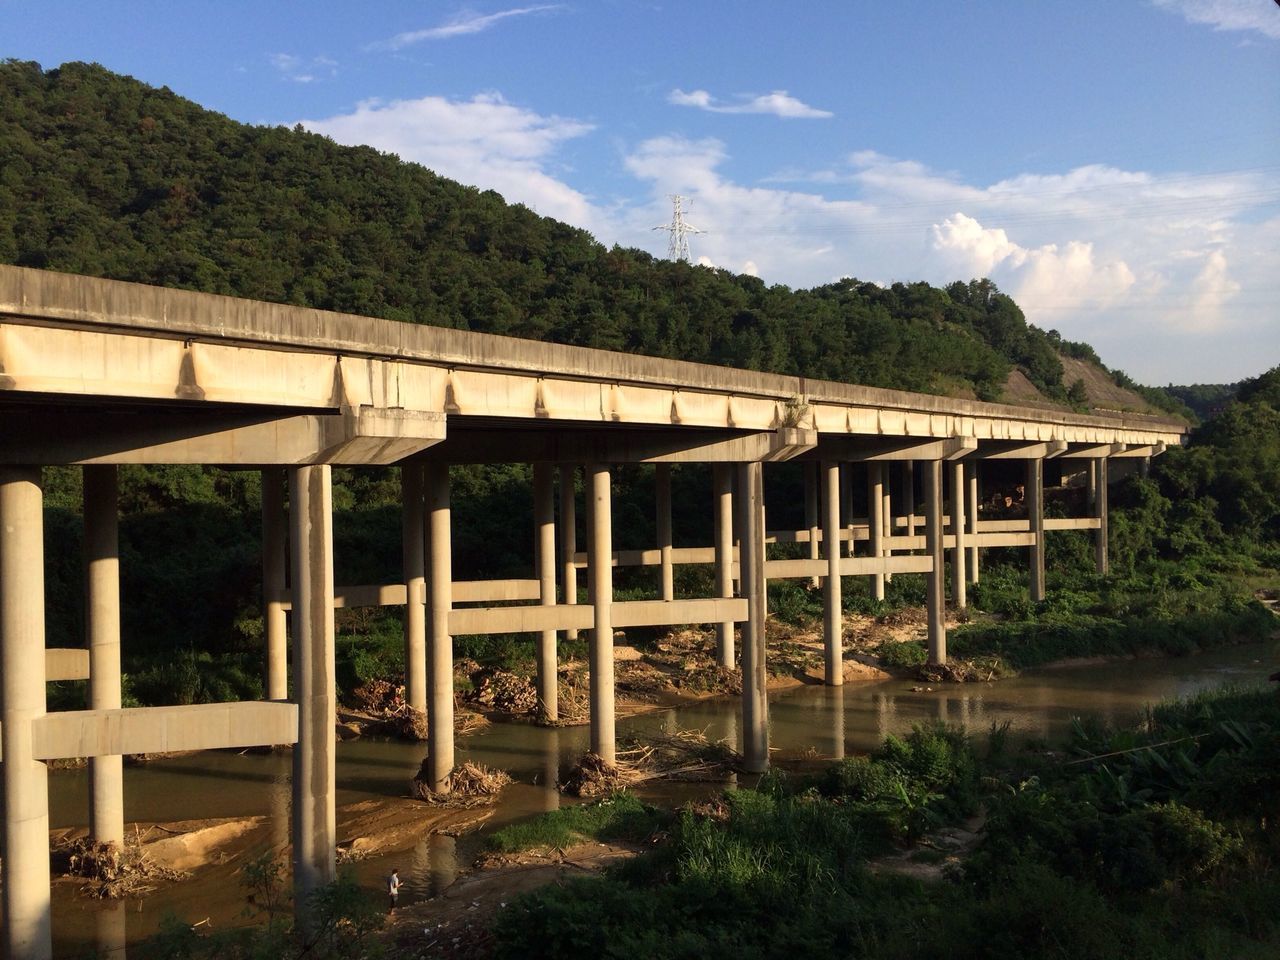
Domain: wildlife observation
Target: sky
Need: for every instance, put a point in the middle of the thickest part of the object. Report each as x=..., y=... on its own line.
x=1114, y=165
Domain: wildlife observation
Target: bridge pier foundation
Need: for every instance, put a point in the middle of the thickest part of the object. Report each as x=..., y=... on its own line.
x=600, y=587
x=22, y=701
x=833, y=625
x=102, y=621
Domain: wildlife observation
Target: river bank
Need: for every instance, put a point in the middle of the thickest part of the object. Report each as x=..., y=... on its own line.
x=808, y=724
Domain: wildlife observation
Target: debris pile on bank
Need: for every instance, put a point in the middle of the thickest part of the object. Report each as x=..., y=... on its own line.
x=592, y=777
x=506, y=692
x=111, y=871
x=469, y=785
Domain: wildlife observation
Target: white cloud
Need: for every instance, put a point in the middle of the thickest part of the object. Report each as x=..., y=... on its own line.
x=462, y=24
x=484, y=141
x=1262, y=16
x=303, y=70
x=779, y=104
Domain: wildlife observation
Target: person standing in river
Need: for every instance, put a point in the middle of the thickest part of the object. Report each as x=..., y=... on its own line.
x=393, y=889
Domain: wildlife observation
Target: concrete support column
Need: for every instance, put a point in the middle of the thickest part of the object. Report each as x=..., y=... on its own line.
x=958, y=578
x=936, y=584
x=749, y=513
x=811, y=513
x=1091, y=487
x=876, y=521
x=569, y=538
x=971, y=517
x=439, y=641
x=886, y=514
x=846, y=506
x=22, y=700
x=1035, y=517
x=544, y=526
x=102, y=623
x=600, y=588
x=909, y=495
x=1101, y=559
x=314, y=782
x=413, y=539
x=722, y=484
x=274, y=583
x=662, y=478
x=833, y=619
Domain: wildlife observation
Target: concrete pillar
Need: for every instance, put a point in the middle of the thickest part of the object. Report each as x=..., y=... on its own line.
x=600, y=588
x=833, y=609
x=958, y=494
x=886, y=513
x=662, y=477
x=971, y=517
x=722, y=482
x=22, y=700
x=755, y=701
x=1091, y=486
x=544, y=525
x=314, y=782
x=909, y=495
x=569, y=538
x=413, y=538
x=936, y=585
x=1035, y=517
x=1101, y=560
x=811, y=513
x=439, y=641
x=846, y=506
x=274, y=583
x=876, y=521
x=102, y=623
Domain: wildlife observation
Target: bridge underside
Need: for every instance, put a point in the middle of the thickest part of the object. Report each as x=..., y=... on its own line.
x=100, y=374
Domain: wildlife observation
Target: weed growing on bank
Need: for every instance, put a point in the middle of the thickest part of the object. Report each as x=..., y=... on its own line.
x=1147, y=841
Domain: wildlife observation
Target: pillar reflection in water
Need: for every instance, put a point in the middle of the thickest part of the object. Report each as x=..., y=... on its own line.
x=434, y=866
x=109, y=930
x=835, y=702
x=550, y=779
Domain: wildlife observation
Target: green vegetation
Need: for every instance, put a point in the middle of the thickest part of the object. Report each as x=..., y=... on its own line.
x=620, y=816
x=1150, y=842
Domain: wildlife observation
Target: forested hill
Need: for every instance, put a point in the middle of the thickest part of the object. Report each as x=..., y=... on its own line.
x=106, y=176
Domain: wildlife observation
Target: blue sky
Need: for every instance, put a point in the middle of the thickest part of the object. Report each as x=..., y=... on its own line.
x=1113, y=164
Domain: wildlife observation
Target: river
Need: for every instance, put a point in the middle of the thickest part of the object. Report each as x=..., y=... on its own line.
x=807, y=721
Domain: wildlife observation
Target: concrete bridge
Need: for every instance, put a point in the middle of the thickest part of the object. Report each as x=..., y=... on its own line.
x=100, y=373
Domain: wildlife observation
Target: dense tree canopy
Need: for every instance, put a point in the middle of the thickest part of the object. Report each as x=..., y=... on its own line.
x=105, y=176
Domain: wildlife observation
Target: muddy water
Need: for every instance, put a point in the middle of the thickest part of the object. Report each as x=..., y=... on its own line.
x=804, y=721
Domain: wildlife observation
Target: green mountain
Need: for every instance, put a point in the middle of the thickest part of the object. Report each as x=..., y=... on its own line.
x=106, y=176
